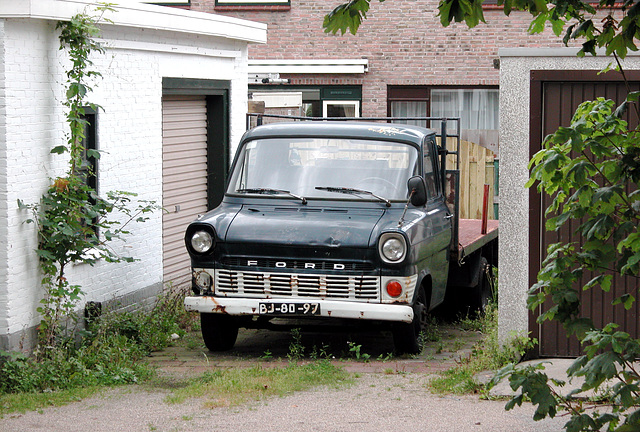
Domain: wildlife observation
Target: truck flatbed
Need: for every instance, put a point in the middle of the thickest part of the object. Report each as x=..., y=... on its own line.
x=470, y=237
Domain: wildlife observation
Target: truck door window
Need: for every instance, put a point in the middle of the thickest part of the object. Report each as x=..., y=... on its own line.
x=430, y=172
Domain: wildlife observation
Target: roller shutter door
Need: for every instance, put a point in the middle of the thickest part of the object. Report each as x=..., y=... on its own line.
x=184, y=178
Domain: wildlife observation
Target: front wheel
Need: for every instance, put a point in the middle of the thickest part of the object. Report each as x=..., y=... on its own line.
x=219, y=332
x=407, y=337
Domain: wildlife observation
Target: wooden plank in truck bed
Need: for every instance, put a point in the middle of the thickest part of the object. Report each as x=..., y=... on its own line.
x=470, y=238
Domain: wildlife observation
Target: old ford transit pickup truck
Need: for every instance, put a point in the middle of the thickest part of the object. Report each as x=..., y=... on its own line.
x=336, y=222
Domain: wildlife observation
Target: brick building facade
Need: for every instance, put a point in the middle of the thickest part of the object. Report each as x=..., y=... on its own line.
x=413, y=64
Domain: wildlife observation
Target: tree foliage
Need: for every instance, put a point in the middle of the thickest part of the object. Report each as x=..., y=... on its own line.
x=615, y=29
x=590, y=170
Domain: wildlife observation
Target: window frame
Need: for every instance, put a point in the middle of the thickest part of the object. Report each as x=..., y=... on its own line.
x=89, y=164
x=185, y=4
x=346, y=102
x=90, y=142
x=313, y=96
x=253, y=2
x=493, y=4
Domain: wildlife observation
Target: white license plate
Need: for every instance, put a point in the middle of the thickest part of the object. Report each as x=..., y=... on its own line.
x=289, y=309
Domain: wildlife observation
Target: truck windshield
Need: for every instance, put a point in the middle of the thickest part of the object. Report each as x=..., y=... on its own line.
x=315, y=167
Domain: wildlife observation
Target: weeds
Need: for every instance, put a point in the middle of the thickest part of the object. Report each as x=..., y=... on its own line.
x=432, y=333
x=23, y=402
x=320, y=353
x=355, y=351
x=488, y=354
x=385, y=357
x=296, y=348
x=232, y=387
x=149, y=331
x=468, y=323
x=111, y=353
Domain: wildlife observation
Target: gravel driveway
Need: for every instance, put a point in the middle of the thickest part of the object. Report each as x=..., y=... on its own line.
x=378, y=401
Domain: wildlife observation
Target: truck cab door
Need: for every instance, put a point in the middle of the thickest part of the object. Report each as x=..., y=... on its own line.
x=439, y=221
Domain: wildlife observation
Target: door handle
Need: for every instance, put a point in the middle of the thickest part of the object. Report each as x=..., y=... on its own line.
x=449, y=216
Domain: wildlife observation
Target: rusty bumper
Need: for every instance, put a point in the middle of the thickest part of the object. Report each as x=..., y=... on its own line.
x=328, y=308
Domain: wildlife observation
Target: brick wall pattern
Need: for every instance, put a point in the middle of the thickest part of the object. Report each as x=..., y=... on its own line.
x=402, y=39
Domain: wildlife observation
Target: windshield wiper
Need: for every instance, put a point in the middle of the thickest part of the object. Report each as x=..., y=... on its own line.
x=272, y=192
x=346, y=190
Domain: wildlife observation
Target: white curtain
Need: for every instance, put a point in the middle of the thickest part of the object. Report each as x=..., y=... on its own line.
x=477, y=108
x=409, y=109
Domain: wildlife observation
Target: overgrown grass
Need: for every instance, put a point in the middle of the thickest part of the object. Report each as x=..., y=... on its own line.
x=32, y=401
x=111, y=352
x=231, y=387
x=487, y=354
x=113, y=349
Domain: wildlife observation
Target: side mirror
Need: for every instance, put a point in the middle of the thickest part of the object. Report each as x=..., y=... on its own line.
x=417, y=190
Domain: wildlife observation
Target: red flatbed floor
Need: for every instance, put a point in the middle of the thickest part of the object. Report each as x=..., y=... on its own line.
x=470, y=237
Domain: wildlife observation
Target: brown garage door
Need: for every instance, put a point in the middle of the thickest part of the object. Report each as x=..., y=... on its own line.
x=184, y=178
x=555, y=96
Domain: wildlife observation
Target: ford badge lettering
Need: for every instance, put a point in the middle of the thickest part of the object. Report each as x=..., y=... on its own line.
x=283, y=264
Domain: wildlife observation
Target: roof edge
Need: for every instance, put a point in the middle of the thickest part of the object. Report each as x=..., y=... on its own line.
x=552, y=52
x=131, y=13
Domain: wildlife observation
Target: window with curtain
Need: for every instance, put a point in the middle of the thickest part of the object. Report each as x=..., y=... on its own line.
x=476, y=107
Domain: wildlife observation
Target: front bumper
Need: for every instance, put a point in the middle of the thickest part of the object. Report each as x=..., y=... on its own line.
x=328, y=308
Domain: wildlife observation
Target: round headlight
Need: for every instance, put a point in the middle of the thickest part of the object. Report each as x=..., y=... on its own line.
x=201, y=241
x=393, y=248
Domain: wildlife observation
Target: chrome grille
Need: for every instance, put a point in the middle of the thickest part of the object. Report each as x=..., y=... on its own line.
x=262, y=285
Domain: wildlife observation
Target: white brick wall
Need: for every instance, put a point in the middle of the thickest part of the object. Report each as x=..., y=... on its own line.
x=33, y=122
x=129, y=134
x=4, y=244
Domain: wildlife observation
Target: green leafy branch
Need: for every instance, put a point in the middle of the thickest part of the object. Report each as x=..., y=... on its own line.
x=78, y=37
x=591, y=170
x=616, y=32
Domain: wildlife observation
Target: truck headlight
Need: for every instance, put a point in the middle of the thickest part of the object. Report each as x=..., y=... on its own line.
x=201, y=241
x=392, y=247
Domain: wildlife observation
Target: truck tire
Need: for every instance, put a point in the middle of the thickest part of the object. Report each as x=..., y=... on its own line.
x=407, y=337
x=482, y=293
x=219, y=332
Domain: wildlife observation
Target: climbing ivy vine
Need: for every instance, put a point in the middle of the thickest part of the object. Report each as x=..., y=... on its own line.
x=75, y=224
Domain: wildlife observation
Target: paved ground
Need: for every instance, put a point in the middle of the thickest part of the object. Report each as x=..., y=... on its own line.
x=388, y=395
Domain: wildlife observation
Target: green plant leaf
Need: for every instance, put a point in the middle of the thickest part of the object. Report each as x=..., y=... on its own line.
x=626, y=299
x=59, y=149
x=538, y=23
